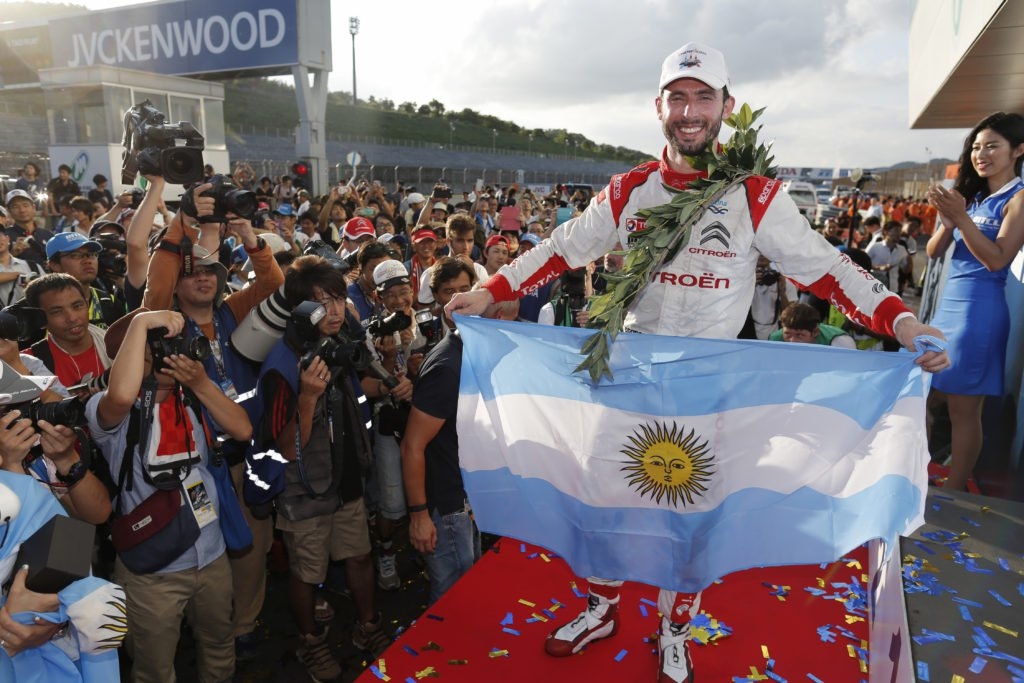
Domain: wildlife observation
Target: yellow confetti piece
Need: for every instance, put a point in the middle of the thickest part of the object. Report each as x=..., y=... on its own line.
x=855, y=564
x=545, y=557
x=1001, y=629
x=957, y=678
x=863, y=644
x=821, y=583
x=423, y=673
x=850, y=651
x=986, y=508
x=382, y=666
x=764, y=652
x=852, y=618
x=863, y=666
x=781, y=598
x=497, y=653
x=539, y=617
x=527, y=603
x=973, y=556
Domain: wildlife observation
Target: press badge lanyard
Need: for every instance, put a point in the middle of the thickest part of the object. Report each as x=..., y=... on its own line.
x=225, y=382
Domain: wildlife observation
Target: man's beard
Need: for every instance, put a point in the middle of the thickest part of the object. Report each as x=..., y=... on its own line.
x=692, y=148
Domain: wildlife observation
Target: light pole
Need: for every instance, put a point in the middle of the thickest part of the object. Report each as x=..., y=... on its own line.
x=451, y=132
x=530, y=146
x=576, y=152
x=353, y=28
x=494, y=141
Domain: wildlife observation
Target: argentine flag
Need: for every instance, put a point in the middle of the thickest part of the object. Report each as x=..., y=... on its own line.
x=702, y=457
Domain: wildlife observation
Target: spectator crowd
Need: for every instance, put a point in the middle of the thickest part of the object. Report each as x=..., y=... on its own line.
x=289, y=374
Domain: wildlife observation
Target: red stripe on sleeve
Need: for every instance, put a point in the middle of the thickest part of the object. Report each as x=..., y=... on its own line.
x=760, y=192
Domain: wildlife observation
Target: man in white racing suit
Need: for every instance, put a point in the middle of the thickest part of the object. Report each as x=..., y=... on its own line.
x=704, y=291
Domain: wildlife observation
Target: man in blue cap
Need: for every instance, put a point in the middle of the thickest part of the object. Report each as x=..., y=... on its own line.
x=78, y=256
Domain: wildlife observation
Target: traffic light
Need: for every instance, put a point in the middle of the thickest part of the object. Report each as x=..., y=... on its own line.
x=300, y=174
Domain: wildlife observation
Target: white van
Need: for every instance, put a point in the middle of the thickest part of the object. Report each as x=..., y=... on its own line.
x=803, y=195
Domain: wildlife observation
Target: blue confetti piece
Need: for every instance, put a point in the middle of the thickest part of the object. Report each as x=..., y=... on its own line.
x=622, y=655
x=924, y=547
x=922, y=672
x=511, y=631
x=1000, y=599
x=986, y=639
x=410, y=651
x=548, y=613
x=1004, y=564
x=522, y=547
x=649, y=602
x=435, y=617
x=507, y=620
x=533, y=555
x=969, y=603
x=376, y=672
x=977, y=665
x=940, y=496
x=814, y=678
x=410, y=679
x=936, y=507
x=966, y=613
x=532, y=620
x=1020, y=588
x=576, y=591
x=643, y=609
x=971, y=521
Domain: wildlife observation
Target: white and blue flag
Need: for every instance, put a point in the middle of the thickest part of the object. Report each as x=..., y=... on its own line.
x=702, y=457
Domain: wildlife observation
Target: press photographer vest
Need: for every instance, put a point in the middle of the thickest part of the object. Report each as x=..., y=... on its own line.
x=316, y=487
x=232, y=367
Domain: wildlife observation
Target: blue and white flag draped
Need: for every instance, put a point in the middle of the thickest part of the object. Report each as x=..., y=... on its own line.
x=702, y=457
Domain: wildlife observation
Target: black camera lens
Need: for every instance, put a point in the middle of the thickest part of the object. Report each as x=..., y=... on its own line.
x=70, y=412
x=199, y=349
x=241, y=203
x=380, y=326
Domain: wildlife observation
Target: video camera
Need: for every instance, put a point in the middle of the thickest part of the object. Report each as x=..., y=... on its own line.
x=197, y=348
x=150, y=147
x=317, y=247
x=227, y=199
x=574, y=293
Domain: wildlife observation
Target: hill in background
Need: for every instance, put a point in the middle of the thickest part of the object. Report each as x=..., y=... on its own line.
x=265, y=103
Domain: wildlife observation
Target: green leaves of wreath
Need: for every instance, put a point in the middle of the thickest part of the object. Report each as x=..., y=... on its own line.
x=668, y=228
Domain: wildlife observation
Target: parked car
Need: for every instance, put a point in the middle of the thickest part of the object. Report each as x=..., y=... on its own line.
x=802, y=195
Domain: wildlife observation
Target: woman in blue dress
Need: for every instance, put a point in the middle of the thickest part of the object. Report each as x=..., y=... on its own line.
x=988, y=231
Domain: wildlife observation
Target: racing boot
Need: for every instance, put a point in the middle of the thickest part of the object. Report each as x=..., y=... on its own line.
x=674, y=662
x=599, y=620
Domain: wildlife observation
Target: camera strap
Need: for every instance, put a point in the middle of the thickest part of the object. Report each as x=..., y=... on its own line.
x=185, y=249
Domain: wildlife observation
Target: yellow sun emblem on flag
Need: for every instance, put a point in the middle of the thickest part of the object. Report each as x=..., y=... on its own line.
x=668, y=464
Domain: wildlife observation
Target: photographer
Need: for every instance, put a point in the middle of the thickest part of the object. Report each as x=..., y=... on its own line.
x=363, y=292
x=56, y=461
x=159, y=449
x=78, y=256
x=14, y=273
x=28, y=240
x=772, y=293
x=212, y=315
x=333, y=216
x=440, y=520
x=569, y=307
x=314, y=418
x=396, y=344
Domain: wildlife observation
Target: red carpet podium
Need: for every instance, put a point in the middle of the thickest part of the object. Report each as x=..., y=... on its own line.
x=803, y=623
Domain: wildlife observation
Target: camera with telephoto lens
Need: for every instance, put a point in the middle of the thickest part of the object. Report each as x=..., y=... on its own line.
x=20, y=322
x=70, y=412
x=151, y=147
x=227, y=199
x=337, y=351
x=197, y=348
x=383, y=326
x=430, y=328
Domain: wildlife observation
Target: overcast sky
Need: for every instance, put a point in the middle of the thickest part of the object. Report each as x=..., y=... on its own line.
x=832, y=73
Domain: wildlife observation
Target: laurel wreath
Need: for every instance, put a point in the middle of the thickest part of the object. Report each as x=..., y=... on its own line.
x=668, y=228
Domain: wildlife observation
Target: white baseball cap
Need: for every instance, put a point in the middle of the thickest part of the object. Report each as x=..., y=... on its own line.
x=695, y=60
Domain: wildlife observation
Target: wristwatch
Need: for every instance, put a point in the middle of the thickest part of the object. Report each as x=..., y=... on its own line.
x=74, y=475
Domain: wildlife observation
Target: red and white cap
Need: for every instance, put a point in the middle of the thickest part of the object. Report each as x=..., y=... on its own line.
x=358, y=227
x=423, y=234
x=695, y=60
